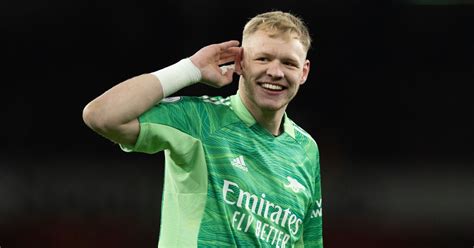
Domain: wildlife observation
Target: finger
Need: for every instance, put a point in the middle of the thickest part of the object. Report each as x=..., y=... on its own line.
x=226, y=60
x=233, y=50
x=230, y=51
x=226, y=68
x=228, y=75
x=230, y=55
x=227, y=55
x=228, y=44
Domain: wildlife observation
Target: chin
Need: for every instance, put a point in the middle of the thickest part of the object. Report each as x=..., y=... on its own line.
x=271, y=106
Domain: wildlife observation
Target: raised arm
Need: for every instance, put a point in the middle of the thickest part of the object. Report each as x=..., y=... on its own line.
x=114, y=114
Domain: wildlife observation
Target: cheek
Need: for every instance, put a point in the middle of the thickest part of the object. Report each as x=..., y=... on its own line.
x=246, y=67
x=252, y=71
x=246, y=73
x=293, y=78
x=246, y=63
x=297, y=78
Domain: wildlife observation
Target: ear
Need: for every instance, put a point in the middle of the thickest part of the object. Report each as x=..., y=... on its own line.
x=304, y=76
x=239, y=58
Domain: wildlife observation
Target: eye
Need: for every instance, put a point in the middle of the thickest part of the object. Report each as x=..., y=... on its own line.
x=262, y=59
x=290, y=64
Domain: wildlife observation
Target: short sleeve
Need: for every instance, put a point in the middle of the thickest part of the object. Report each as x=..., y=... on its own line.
x=176, y=115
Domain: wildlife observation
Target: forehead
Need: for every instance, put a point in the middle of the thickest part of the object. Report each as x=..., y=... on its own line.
x=274, y=43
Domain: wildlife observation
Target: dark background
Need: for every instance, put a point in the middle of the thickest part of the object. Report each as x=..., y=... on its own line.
x=388, y=100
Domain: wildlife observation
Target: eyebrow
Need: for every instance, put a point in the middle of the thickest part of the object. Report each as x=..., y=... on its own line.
x=285, y=58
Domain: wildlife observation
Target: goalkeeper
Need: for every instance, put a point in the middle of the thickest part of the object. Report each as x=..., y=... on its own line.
x=238, y=170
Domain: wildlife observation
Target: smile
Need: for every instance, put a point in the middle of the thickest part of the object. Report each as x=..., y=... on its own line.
x=270, y=86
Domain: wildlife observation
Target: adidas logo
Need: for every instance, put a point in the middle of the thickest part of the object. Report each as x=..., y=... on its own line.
x=239, y=163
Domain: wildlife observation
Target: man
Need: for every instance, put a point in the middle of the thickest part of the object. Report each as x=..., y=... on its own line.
x=238, y=171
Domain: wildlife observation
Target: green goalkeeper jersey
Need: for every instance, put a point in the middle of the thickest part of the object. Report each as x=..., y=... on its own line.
x=228, y=181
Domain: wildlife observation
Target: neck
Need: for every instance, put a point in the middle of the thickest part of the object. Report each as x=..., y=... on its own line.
x=271, y=120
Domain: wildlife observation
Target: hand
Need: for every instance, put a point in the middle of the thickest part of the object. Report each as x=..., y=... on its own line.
x=209, y=58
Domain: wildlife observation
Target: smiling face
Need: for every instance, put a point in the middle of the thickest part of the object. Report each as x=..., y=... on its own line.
x=273, y=68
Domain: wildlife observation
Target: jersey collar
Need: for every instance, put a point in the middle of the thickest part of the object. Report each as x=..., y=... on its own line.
x=244, y=114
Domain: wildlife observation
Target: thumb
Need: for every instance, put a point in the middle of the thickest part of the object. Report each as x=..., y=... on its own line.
x=227, y=72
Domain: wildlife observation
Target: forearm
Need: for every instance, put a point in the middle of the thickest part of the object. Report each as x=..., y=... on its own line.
x=114, y=113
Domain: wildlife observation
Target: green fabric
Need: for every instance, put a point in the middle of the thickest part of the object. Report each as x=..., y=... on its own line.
x=228, y=181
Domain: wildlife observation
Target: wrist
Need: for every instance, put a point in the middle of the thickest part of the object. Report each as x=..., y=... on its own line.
x=177, y=76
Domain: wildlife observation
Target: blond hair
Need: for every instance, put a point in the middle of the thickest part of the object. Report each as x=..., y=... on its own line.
x=278, y=23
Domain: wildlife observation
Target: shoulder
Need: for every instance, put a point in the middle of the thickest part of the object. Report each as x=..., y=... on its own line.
x=196, y=100
x=183, y=108
x=310, y=147
x=195, y=104
x=212, y=111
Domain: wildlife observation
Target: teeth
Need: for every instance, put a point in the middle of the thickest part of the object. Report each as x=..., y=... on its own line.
x=272, y=86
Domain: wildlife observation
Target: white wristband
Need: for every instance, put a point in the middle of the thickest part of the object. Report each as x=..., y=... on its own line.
x=177, y=76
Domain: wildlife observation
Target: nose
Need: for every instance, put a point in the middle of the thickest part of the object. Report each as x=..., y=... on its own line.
x=274, y=70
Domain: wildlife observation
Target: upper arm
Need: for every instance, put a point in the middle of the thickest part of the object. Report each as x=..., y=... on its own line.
x=126, y=134
x=145, y=133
